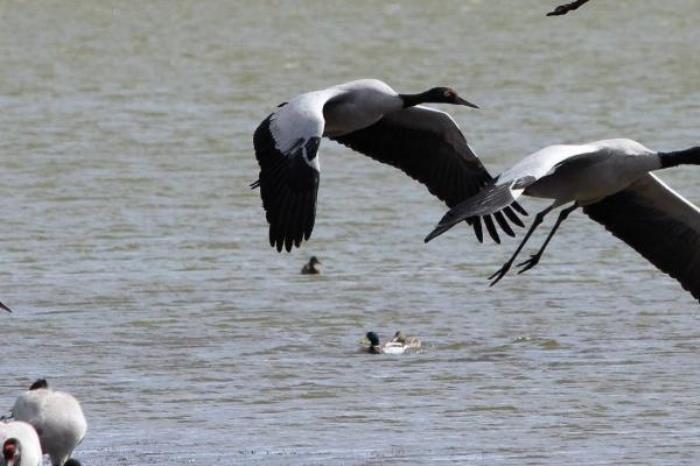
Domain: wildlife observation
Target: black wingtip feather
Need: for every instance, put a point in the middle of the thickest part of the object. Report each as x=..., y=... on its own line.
x=513, y=217
x=478, y=230
x=519, y=208
x=503, y=224
x=491, y=228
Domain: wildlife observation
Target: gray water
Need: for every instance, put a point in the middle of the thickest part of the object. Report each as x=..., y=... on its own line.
x=137, y=263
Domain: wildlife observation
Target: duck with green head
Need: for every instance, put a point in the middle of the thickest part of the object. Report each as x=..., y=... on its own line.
x=389, y=347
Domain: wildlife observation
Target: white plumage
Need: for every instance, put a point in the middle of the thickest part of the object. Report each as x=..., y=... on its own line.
x=610, y=179
x=20, y=444
x=57, y=418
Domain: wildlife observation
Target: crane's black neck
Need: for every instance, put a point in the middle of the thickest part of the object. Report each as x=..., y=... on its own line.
x=682, y=157
x=39, y=383
x=411, y=100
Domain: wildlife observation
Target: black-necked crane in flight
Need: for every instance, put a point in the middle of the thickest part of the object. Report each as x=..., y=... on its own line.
x=611, y=181
x=370, y=117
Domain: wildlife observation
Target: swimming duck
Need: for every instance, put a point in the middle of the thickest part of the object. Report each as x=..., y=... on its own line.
x=57, y=418
x=408, y=342
x=390, y=347
x=313, y=267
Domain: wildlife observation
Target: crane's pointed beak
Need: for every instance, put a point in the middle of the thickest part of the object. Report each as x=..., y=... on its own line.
x=2, y=306
x=466, y=103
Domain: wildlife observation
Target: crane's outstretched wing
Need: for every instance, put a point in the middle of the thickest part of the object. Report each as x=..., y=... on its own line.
x=286, y=146
x=659, y=224
x=428, y=145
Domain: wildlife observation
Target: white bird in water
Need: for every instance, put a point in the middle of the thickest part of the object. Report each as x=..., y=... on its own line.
x=370, y=117
x=20, y=444
x=57, y=418
x=610, y=180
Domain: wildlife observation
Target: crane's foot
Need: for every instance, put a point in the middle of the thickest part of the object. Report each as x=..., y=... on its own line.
x=496, y=277
x=530, y=263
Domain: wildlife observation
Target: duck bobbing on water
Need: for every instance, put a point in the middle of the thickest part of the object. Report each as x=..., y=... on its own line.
x=313, y=267
x=408, y=342
x=57, y=418
x=389, y=347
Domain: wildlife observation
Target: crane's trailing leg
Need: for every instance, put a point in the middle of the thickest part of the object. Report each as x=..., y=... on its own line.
x=535, y=258
x=496, y=277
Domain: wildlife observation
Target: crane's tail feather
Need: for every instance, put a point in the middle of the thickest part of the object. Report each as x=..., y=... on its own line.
x=488, y=201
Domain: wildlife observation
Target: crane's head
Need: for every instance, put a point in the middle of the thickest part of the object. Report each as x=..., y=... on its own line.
x=446, y=95
x=436, y=95
x=11, y=452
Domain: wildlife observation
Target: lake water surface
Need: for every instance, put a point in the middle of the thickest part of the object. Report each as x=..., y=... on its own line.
x=136, y=258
